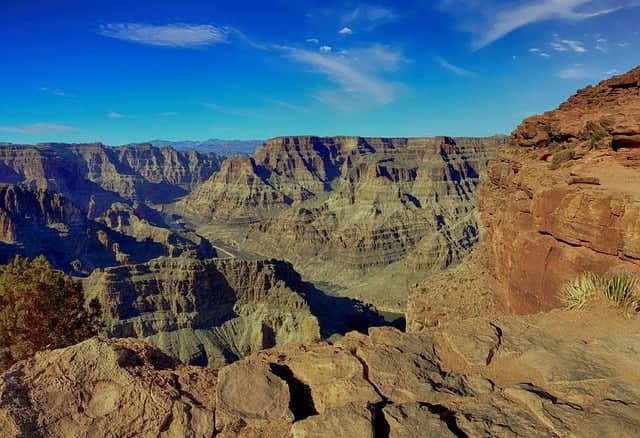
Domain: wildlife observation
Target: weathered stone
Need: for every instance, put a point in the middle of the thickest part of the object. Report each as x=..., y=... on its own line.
x=351, y=420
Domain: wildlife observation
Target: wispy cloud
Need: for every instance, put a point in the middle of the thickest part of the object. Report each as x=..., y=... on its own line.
x=326, y=49
x=167, y=35
x=345, y=31
x=560, y=45
x=539, y=52
x=313, y=40
x=37, y=129
x=574, y=72
x=493, y=19
x=459, y=71
x=115, y=115
x=54, y=91
x=367, y=16
x=358, y=76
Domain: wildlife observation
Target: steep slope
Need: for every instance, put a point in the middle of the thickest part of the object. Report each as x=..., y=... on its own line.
x=37, y=222
x=94, y=176
x=564, y=196
x=342, y=208
x=207, y=312
x=557, y=374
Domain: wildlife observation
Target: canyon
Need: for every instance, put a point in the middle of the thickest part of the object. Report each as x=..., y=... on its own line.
x=273, y=270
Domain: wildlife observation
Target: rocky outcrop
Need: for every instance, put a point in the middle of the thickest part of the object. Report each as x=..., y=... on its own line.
x=37, y=222
x=556, y=374
x=208, y=312
x=94, y=176
x=564, y=197
x=341, y=208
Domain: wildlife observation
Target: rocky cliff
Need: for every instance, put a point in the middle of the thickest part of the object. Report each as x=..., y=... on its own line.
x=564, y=196
x=37, y=222
x=207, y=312
x=341, y=208
x=94, y=176
x=559, y=374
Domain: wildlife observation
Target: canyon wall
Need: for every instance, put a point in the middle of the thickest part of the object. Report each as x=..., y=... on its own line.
x=341, y=208
x=94, y=176
x=205, y=312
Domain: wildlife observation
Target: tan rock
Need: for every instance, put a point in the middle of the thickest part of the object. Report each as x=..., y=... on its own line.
x=415, y=421
x=351, y=420
x=249, y=393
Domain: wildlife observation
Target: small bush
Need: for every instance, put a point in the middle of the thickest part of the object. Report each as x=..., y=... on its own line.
x=596, y=134
x=560, y=157
x=578, y=291
x=618, y=287
x=40, y=308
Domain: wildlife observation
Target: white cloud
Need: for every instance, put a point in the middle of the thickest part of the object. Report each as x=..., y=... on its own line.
x=37, y=129
x=369, y=16
x=459, y=71
x=358, y=77
x=345, y=31
x=167, y=35
x=53, y=91
x=325, y=49
x=612, y=72
x=575, y=72
x=313, y=40
x=560, y=45
x=623, y=44
x=493, y=20
x=539, y=52
x=114, y=115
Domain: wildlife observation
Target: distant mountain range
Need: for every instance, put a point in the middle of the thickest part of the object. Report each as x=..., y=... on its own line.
x=222, y=147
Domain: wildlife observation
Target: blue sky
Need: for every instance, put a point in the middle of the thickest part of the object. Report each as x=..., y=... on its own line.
x=123, y=71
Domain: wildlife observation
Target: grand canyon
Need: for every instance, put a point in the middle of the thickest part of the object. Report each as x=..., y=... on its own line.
x=320, y=219
x=338, y=286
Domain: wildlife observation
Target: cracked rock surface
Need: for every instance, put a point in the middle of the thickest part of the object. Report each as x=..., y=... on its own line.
x=555, y=374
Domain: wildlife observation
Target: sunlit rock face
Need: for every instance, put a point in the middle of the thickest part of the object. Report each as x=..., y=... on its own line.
x=344, y=206
x=545, y=223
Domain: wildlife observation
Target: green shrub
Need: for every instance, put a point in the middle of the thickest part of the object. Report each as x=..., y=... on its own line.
x=40, y=308
x=578, y=291
x=560, y=157
x=618, y=287
x=596, y=134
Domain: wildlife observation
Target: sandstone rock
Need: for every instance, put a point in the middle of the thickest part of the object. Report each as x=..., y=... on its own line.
x=541, y=232
x=347, y=421
x=106, y=388
x=415, y=421
x=251, y=393
x=205, y=312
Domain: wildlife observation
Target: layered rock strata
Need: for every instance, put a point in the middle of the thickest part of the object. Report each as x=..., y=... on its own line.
x=564, y=196
x=94, y=176
x=205, y=312
x=341, y=207
x=37, y=222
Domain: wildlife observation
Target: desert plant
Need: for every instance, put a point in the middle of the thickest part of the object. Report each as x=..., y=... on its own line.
x=40, y=308
x=620, y=288
x=578, y=291
x=560, y=157
x=596, y=134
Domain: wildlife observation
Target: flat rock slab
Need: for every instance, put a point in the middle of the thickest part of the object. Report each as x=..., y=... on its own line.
x=352, y=421
x=413, y=420
x=249, y=392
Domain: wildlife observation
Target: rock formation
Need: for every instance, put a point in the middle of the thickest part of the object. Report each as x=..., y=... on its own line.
x=207, y=312
x=94, y=176
x=37, y=222
x=564, y=196
x=342, y=208
x=556, y=374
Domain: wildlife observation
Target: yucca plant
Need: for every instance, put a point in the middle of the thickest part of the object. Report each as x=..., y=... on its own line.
x=578, y=291
x=620, y=288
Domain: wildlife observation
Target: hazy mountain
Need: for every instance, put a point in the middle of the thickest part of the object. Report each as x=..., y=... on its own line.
x=223, y=147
